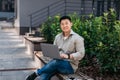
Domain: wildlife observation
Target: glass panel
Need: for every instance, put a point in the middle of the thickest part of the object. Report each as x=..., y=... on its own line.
x=6, y=5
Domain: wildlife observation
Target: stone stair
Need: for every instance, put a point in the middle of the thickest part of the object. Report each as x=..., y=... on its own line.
x=15, y=62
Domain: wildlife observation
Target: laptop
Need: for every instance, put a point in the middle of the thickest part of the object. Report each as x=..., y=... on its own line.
x=50, y=50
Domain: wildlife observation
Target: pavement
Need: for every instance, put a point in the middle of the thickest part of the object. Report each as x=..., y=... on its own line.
x=15, y=62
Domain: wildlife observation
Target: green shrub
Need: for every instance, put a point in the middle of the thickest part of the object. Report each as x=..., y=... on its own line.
x=102, y=38
x=51, y=28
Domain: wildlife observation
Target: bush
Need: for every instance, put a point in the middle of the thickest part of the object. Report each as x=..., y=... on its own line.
x=102, y=38
x=51, y=28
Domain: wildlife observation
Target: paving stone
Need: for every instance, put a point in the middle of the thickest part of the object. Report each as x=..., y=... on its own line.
x=15, y=75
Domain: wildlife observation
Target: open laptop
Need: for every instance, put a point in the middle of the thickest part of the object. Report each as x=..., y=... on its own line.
x=50, y=50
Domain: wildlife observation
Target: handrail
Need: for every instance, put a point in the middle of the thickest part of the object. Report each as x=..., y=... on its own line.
x=63, y=7
x=44, y=7
x=42, y=14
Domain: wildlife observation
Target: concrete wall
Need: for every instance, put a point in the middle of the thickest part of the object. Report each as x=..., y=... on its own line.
x=26, y=7
x=17, y=14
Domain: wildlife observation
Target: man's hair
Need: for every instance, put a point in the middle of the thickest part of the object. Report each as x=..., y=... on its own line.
x=65, y=17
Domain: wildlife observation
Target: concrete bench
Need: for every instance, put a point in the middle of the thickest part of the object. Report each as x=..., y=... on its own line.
x=33, y=44
x=76, y=76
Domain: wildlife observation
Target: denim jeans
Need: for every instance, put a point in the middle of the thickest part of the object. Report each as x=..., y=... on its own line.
x=53, y=67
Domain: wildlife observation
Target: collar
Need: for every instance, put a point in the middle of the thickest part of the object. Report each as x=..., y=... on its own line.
x=72, y=32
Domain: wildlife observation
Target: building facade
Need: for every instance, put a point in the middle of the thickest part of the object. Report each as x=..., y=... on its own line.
x=30, y=14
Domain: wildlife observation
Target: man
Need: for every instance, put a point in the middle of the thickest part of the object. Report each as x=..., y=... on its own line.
x=71, y=47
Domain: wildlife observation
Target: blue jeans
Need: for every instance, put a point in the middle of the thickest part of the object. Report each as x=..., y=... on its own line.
x=53, y=67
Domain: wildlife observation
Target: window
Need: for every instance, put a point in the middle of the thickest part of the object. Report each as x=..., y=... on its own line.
x=6, y=5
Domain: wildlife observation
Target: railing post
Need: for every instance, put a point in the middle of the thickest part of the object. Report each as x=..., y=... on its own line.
x=82, y=7
x=65, y=7
x=93, y=7
x=48, y=11
x=30, y=27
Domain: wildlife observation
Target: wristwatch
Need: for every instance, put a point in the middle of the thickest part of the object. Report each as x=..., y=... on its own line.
x=68, y=56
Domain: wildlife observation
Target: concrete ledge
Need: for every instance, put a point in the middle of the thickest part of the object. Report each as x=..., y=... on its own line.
x=33, y=44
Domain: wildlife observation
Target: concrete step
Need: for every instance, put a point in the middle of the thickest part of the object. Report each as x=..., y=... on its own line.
x=15, y=75
x=15, y=62
x=5, y=24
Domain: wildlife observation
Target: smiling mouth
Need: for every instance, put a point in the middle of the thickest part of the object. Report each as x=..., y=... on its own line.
x=65, y=28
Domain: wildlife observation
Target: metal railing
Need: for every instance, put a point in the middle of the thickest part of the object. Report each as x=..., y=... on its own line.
x=62, y=7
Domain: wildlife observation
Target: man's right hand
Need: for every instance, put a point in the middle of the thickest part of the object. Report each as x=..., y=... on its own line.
x=65, y=56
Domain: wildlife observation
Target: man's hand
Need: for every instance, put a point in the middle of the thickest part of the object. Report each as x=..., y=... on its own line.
x=71, y=56
x=65, y=56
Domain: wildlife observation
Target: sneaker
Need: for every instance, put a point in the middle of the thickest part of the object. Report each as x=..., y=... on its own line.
x=32, y=76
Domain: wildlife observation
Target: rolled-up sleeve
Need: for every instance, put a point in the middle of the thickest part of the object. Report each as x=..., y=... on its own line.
x=80, y=49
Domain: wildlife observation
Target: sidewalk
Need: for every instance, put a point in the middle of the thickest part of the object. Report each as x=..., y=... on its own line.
x=15, y=62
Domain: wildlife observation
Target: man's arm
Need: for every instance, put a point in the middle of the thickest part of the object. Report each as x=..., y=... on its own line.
x=80, y=50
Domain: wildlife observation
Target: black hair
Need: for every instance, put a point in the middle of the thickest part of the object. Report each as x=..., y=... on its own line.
x=65, y=17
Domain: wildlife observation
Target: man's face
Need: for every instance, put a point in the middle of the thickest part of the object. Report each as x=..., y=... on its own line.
x=65, y=25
